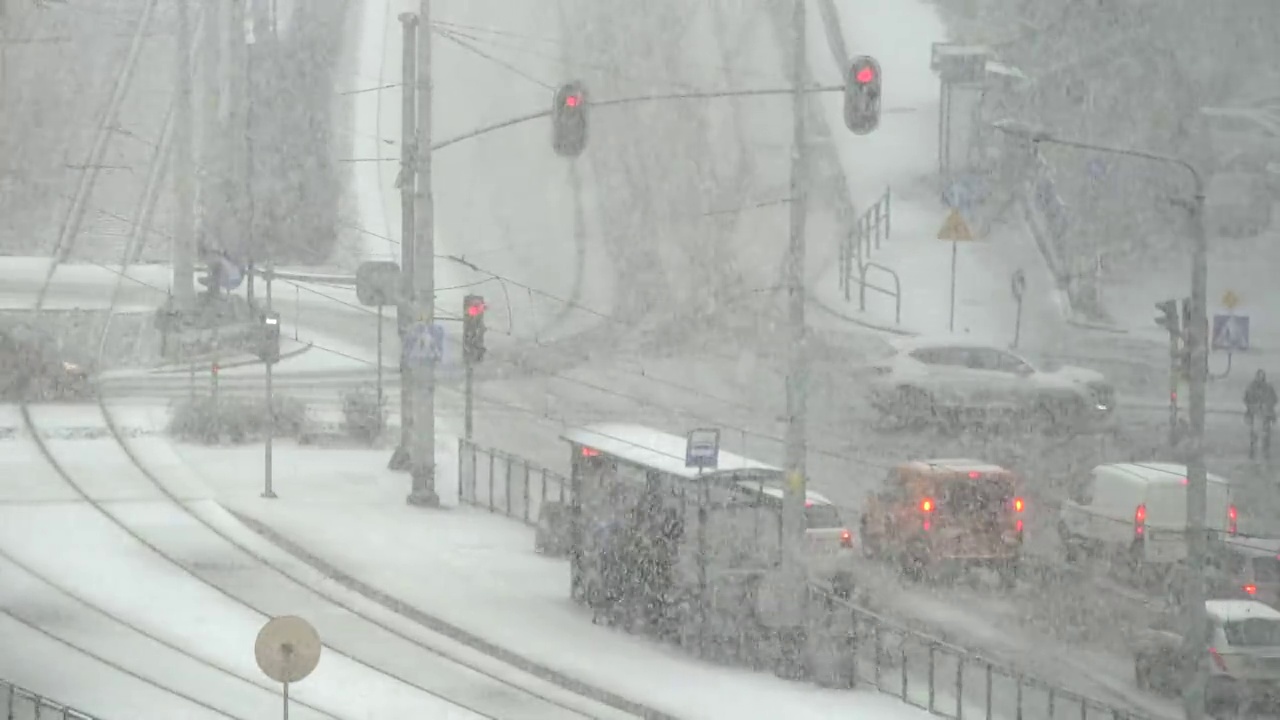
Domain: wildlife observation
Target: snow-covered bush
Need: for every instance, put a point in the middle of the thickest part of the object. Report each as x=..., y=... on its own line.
x=213, y=419
x=364, y=417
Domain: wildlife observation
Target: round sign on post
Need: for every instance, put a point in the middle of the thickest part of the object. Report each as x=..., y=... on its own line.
x=287, y=649
x=1018, y=283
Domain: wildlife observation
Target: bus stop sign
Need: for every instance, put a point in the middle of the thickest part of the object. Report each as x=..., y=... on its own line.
x=702, y=449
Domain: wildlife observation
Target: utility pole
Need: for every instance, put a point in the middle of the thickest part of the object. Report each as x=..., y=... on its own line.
x=794, y=574
x=422, y=455
x=400, y=460
x=211, y=120
x=184, y=168
x=1197, y=635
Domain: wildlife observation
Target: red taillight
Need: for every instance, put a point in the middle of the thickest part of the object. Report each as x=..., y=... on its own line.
x=589, y=452
x=1217, y=660
x=1140, y=520
x=1251, y=589
x=846, y=538
x=1231, y=519
x=974, y=474
x=927, y=525
x=1019, y=505
x=1018, y=526
x=926, y=505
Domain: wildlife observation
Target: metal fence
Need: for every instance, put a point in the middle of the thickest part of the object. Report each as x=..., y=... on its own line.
x=20, y=704
x=848, y=645
x=931, y=674
x=506, y=483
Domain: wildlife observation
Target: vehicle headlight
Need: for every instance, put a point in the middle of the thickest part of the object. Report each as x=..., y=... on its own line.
x=70, y=367
x=1104, y=397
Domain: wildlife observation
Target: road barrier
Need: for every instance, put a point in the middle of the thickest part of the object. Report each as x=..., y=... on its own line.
x=21, y=704
x=847, y=645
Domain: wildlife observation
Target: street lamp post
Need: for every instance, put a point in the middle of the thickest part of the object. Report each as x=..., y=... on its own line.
x=1195, y=638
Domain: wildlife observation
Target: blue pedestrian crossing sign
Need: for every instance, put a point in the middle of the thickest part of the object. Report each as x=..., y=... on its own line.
x=1231, y=333
x=423, y=344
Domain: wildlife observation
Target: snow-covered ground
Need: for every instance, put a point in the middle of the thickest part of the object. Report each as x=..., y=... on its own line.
x=902, y=155
x=480, y=573
x=175, y=592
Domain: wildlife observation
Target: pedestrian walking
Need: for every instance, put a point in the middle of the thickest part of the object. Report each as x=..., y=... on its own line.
x=1260, y=413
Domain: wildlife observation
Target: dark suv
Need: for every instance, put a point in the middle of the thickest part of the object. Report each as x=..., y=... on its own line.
x=33, y=368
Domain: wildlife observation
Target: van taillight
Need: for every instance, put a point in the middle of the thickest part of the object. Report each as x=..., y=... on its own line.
x=1018, y=526
x=1217, y=660
x=846, y=538
x=1019, y=505
x=926, y=505
x=1251, y=589
x=590, y=452
x=1140, y=520
x=1231, y=519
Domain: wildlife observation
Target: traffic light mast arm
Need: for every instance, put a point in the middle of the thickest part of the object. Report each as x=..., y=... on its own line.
x=486, y=129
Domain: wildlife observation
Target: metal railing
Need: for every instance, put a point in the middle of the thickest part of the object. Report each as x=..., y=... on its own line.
x=21, y=704
x=944, y=679
x=506, y=483
x=895, y=293
x=849, y=645
x=872, y=227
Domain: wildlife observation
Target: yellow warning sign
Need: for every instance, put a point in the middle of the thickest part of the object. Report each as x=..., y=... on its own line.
x=1230, y=300
x=955, y=228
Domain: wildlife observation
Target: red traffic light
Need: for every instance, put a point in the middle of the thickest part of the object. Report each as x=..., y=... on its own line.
x=475, y=308
x=571, y=101
x=865, y=74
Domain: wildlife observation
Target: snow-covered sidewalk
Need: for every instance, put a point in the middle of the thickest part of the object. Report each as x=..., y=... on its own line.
x=479, y=573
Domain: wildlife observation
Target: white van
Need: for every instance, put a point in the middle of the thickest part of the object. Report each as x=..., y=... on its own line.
x=1138, y=511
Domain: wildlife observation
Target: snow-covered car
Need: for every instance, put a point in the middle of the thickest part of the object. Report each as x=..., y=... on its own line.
x=34, y=368
x=954, y=380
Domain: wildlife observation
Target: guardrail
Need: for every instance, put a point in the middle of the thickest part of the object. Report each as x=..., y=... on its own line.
x=896, y=293
x=872, y=227
x=848, y=645
x=22, y=704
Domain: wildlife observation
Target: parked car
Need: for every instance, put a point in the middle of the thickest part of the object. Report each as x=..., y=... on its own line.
x=1244, y=656
x=1136, y=513
x=957, y=380
x=1247, y=568
x=34, y=368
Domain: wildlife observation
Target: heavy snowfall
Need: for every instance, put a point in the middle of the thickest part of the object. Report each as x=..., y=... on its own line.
x=675, y=359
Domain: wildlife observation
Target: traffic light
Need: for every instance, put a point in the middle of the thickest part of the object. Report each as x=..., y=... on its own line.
x=269, y=349
x=473, y=308
x=569, y=120
x=862, y=95
x=1168, y=317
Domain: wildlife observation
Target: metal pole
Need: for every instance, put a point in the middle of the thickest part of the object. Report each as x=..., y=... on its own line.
x=422, y=455
x=951, y=321
x=1017, y=322
x=793, y=570
x=379, y=363
x=268, y=491
x=183, y=249
x=1197, y=474
x=286, y=701
x=1174, y=373
x=408, y=221
x=468, y=406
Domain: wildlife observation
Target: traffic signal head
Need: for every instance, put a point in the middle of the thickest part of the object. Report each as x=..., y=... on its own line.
x=862, y=95
x=473, y=308
x=1168, y=317
x=269, y=349
x=569, y=120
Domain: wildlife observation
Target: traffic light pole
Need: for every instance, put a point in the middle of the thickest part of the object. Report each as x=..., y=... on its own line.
x=268, y=491
x=400, y=459
x=793, y=569
x=422, y=461
x=468, y=408
x=1195, y=647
